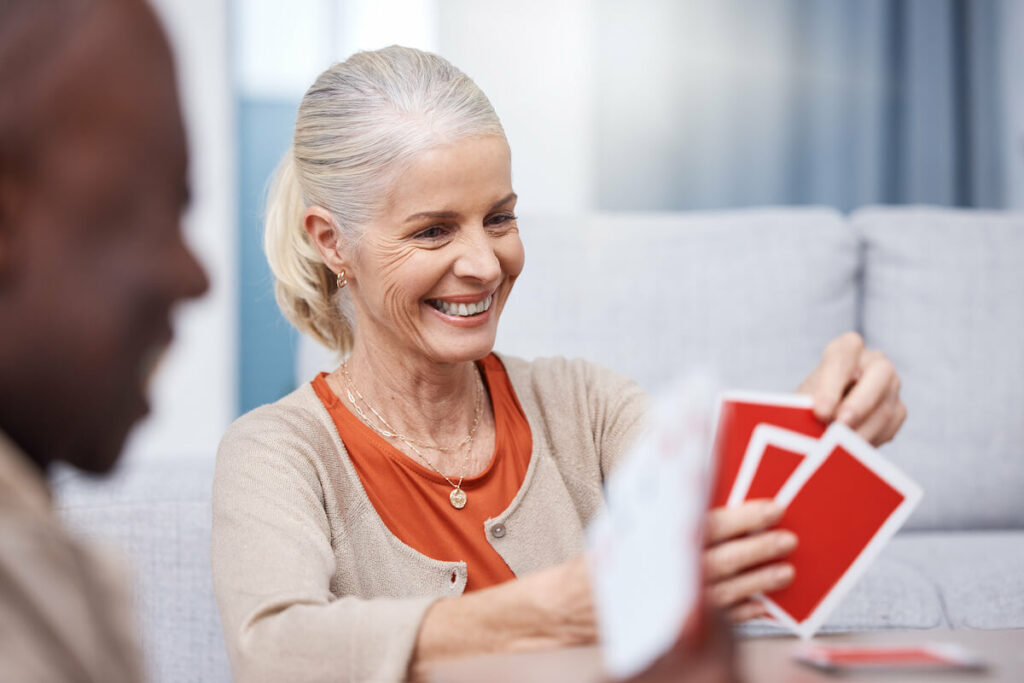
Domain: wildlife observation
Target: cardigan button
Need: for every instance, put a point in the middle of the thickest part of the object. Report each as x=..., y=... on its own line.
x=498, y=530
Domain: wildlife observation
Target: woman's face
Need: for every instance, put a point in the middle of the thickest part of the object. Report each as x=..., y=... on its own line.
x=432, y=272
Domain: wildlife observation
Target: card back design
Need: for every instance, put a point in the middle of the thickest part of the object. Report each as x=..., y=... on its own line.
x=739, y=415
x=844, y=503
x=773, y=455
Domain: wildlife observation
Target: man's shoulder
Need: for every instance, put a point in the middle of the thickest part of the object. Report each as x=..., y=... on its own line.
x=61, y=600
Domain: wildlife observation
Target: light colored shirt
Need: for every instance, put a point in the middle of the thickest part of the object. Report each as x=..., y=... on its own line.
x=64, y=615
x=313, y=586
x=414, y=501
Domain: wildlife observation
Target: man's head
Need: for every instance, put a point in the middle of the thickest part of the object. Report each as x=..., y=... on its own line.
x=93, y=181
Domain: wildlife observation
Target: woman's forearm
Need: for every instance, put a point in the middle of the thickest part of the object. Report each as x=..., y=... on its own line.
x=550, y=608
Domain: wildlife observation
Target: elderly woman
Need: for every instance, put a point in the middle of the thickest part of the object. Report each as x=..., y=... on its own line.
x=429, y=497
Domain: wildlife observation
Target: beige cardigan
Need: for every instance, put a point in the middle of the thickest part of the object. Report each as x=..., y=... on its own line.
x=65, y=611
x=313, y=587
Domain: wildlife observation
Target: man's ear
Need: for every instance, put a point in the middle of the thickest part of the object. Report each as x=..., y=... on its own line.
x=323, y=233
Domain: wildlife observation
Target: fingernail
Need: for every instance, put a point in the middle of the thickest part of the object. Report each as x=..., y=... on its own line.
x=783, y=573
x=773, y=512
x=786, y=541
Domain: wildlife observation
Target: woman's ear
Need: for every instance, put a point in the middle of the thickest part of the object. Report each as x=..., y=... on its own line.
x=323, y=233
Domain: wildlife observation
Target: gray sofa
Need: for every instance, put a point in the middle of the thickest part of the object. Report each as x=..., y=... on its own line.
x=754, y=296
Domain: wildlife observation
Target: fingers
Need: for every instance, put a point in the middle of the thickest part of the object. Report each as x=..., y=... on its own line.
x=892, y=427
x=742, y=587
x=857, y=387
x=745, y=611
x=873, y=406
x=838, y=369
x=725, y=523
x=733, y=557
x=878, y=381
x=883, y=424
x=741, y=562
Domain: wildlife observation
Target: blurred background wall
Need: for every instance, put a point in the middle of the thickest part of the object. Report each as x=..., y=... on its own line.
x=609, y=106
x=195, y=393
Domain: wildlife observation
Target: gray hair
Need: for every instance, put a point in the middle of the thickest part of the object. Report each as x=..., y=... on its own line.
x=359, y=125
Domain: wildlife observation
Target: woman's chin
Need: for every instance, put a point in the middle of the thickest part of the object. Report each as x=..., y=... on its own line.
x=467, y=347
x=451, y=339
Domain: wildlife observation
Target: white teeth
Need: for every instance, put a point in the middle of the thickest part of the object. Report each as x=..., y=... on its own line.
x=461, y=310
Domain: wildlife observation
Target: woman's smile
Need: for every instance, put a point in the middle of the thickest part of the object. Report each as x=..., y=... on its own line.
x=465, y=307
x=434, y=269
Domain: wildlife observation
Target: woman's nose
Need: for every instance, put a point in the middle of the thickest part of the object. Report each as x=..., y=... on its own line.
x=477, y=258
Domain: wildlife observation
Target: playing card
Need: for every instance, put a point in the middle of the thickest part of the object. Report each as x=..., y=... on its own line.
x=770, y=459
x=929, y=657
x=644, y=547
x=739, y=414
x=844, y=502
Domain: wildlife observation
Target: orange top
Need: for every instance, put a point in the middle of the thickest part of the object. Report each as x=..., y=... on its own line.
x=412, y=500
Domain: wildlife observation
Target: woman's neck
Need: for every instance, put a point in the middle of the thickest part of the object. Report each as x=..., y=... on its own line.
x=420, y=399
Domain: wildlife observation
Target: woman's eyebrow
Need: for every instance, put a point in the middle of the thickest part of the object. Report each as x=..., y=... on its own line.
x=454, y=214
x=431, y=214
x=509, y=197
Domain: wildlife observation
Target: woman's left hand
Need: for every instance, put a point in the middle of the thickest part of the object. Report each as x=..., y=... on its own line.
x=745, y=556
x=858, y=387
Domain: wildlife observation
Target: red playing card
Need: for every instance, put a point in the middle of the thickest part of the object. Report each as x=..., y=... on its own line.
x=927, y=657
x=777, y=464
x=772, y=456
x=739, y=414
x=844, y=503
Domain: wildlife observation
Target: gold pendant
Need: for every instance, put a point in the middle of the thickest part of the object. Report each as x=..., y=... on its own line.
x=458, y=498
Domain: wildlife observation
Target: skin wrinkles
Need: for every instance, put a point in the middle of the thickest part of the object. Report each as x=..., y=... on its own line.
x=395, y=254
x=446, y=229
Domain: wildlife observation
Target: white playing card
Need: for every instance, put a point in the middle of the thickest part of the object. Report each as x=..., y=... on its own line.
x=645, y=546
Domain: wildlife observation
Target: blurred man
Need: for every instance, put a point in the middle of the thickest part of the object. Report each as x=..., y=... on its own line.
x=92, y=186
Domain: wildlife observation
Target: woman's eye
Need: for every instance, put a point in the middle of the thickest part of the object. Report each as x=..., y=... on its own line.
x=432, y=233
x=501, y=219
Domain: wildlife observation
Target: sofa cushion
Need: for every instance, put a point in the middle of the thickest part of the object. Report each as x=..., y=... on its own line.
x=934, y=579
x=944, y=298
x=156, y=513
x=896, y=592
x=980, y=574
x=752, y=296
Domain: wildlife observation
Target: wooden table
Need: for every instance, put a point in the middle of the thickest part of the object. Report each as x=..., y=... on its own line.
x=766, y=660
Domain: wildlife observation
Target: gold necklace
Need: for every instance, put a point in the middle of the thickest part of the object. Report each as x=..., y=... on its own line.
x=458, y=496
x=390, y=432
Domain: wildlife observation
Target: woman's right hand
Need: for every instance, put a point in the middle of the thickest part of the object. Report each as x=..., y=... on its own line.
x=563, y=603
x=546, y=609
x=742, y=557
